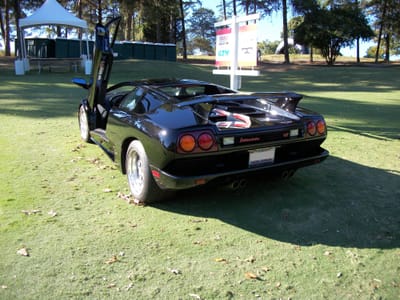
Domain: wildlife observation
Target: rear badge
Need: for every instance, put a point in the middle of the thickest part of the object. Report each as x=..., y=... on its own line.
x=249, y=140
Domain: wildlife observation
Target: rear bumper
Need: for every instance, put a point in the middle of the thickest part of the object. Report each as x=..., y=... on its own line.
x=171, y=182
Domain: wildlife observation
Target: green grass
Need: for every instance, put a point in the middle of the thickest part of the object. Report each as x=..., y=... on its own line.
x=332, y=231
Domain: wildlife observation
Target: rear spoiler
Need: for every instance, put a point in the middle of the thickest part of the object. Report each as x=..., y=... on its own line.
x=285, y=100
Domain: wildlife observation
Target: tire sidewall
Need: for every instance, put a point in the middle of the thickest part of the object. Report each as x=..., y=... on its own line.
x=84, y=128
x=137, y=147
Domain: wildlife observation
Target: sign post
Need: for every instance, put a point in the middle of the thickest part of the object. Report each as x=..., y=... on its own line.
x=236, y=47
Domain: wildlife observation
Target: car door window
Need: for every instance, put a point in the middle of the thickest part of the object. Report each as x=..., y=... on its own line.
x=131, y=101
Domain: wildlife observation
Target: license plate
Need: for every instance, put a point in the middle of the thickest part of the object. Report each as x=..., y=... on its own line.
x=261, y=156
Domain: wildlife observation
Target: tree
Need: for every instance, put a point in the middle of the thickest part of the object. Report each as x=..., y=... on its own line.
x=201, y=24
x=5, y=26
x=267, y=47
x=331, y=29
x=201, y=29
x=266, y=7
x=387, y=24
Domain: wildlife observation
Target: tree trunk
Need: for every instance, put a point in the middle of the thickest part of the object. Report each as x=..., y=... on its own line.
x=380, y=31
x=2, y=28
x=99, y=11
x=17, y=15
x=183, y=30
x=387, y=50
x=6, y=37
x=224, y=7
x=285, y=32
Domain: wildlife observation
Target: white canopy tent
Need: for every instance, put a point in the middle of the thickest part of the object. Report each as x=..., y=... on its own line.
x=50, y=13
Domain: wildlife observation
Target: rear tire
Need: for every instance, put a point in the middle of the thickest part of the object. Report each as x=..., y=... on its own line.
x=83, y=119
x=143, y=187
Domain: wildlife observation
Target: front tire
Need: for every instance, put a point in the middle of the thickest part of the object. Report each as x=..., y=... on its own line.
x=143, y=187
x=84, y=124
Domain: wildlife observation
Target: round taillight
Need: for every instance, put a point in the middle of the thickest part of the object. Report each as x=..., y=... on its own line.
x=321, y=127
x=205, y=141
x=187, y=143
x=311, y=128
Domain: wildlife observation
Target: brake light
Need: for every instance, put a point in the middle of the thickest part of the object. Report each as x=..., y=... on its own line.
x=194, y=142
x=321, y=127
x=187, y=143
x=206, y=141
x=311, y=128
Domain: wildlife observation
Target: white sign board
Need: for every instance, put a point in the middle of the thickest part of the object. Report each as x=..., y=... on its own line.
x=247, y=46
x=236, y=48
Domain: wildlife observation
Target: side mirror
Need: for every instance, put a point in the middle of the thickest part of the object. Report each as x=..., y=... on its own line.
x=82, y=83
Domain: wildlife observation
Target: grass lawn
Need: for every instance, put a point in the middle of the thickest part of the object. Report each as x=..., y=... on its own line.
x=331, y=231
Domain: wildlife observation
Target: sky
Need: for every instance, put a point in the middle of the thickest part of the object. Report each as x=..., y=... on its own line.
x=270, y=29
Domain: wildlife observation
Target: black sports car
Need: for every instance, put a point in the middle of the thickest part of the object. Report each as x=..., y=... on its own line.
x=171, y=134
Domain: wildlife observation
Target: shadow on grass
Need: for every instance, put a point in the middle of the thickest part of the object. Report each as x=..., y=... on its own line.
x=337, y=203
x=364, y=118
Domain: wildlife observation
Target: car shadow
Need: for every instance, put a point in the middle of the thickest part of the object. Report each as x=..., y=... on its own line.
x=337, y=203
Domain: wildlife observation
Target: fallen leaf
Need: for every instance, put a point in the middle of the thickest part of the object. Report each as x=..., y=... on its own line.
x=266, y=269
x=23, y=252
x=52, y=213
x=250, y=275
x=220, y=259
x=30, y=212
x=198, y=220
x=112, y=260
x=251, y=259
x=125, y=197
x=175, y=271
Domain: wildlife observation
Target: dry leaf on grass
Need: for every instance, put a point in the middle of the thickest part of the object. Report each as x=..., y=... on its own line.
x=23, y=252
x=251, y=275
x=112, y=260
x=250, y=259
x=127, y=198
x=31, y=212
x=175, y=271
x=220, y=259
x=52, y=213
x=266, y=269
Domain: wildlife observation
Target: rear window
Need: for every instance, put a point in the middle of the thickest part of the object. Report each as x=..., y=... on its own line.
x=187, y=91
